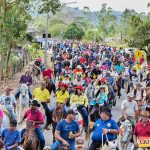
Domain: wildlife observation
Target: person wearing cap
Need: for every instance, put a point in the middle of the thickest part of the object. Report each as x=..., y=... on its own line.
x=78, y=70
x=139, y=95
x=11, y=136
x=27, y=79
x=100, y=100
x=66, y=79
x=50, y=85
x=142, y=128
x=133, y=77
x=9, y=102
x=96, y=71
x=104, y=125
x=42, y=95
x=62, y=95
x=110, y=81
x=34, y=115
x=78, y=80
x=66, y=131
x=80, y=99
x=129, y=109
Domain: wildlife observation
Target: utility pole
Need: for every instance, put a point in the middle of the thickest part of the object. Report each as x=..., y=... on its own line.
x=46, y=41
x=95, y=27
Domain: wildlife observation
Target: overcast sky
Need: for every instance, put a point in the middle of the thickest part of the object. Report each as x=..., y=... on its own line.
x=120, y=5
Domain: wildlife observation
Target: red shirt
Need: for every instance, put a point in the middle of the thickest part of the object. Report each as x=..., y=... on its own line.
x=141, y=130
x=37, y=115
x=82, y=60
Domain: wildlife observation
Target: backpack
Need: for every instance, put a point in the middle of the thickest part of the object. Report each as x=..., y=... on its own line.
x=135, y=91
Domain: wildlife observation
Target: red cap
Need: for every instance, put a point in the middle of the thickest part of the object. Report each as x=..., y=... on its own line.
x=103, y=80
x=63, y=84
x=80, y=87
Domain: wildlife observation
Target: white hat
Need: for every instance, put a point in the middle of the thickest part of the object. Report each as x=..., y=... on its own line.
x=98, y=65
x=79, y=67
x=102, y=86
x=130, y=95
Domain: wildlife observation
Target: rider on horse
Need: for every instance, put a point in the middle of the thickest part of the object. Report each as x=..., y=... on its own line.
x=11, y=136
x=129, y=109
x=34, y=115
x=42, y=95
x=27, y=79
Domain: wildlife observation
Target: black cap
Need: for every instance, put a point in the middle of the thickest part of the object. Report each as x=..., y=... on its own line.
x=35, y=103
x=70, y=111
x=106, y=110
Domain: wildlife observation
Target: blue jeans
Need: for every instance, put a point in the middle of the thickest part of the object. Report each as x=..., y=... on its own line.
x=18, y=93
x=83, y=112
x=40, y=136
x=12, y=114
x=58, y=143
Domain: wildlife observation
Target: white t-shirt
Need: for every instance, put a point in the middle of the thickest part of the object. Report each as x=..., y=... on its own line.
x=8, y=101
x=129, y=107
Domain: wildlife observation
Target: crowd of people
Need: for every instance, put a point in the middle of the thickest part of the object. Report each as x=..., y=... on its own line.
x=87, y=79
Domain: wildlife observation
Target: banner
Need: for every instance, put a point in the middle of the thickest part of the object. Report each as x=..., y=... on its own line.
x=143, y=142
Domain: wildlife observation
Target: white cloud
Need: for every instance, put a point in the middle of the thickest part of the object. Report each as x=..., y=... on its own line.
x=119, y=5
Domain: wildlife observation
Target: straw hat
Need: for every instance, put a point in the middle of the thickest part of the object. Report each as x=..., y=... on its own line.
x=7, y=88
x=145, y=113
x=78, y=67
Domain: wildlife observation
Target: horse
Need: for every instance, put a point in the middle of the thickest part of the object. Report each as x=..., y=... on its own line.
x=57, y=115
x=30, y=141
x=36, y=74
x=125, y=134
x=23, y=99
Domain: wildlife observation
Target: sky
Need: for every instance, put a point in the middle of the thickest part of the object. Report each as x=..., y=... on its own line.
x=118, y=5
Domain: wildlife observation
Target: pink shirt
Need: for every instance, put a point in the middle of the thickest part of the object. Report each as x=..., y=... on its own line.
x=1, y=113
x=37, y=115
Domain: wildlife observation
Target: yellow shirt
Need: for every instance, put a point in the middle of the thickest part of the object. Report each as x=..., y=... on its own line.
x=137, y=67
x=82, y=100
x=41, y=95
x=60, y=97
x=106, y=89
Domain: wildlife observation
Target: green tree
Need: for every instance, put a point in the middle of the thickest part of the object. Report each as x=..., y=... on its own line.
x=107, y=21
x=73, y=32
x=14, y=17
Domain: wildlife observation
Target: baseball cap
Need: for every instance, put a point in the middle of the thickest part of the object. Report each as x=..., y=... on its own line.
x=71, y=111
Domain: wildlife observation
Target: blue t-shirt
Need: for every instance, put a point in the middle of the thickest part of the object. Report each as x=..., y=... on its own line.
x=65, y=128
x=10, y=137
x=98, y=128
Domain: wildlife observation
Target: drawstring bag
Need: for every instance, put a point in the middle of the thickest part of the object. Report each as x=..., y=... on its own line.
x=109, y=145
